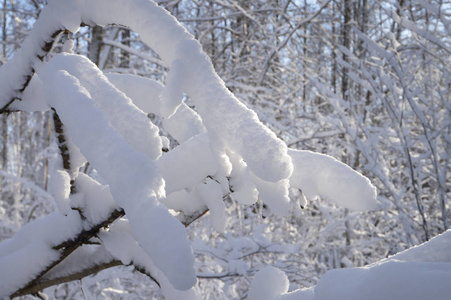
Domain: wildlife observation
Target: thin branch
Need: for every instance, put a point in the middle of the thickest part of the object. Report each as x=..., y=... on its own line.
x=145, y=272
x=63, y=147
x=286, y=40
x=217, y=276
x=189, y=219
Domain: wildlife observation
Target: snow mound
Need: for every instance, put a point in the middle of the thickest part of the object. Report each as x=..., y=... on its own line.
x=268, y=283
x=418, y=273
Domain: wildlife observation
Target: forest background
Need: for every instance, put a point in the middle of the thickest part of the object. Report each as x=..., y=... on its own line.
x=367, y=82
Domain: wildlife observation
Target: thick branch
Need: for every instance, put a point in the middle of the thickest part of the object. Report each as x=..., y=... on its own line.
x=63, y=147
x=69, y=246
x=40, y=285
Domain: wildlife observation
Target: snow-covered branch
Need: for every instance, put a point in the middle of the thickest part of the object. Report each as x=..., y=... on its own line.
x=223, y=150
x=16, y=74
x=78, y=275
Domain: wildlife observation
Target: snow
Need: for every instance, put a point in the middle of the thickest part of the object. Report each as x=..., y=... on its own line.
x=105, y=120
x=434, y=251
x=164, y=239
x=17, y=269
x=236, y=126
x=322, y=175
x=388, y=280
x=211, y=194
x=35, y=240
x=238, y=266
x=94, y=199
x=186, y=201
x=184, y=124
x=32, y=98
x=70, y=10
x=76, y=158
x=144, y=92
x=172, y=95
x=244, y=190
x=53, y=230
x=274, y=194
x=82, y=258
x=13, y=73
x=141, y=133
x=421, y=272
x=187, y=164
x=134, y=179
x=59, y=187
x=119, y=241
x=268, y=283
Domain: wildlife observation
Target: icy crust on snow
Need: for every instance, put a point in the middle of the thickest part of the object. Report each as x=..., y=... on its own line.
x=134, y=179
x=192, y=72
x=322, y=175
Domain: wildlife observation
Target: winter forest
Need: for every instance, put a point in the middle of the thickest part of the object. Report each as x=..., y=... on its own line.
x=224, y=149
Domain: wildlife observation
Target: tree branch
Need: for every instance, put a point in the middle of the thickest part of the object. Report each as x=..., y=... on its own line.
x=40, y=285
x=40, y=54
x=63, y=147
x=69, y=246
x=286, y=40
